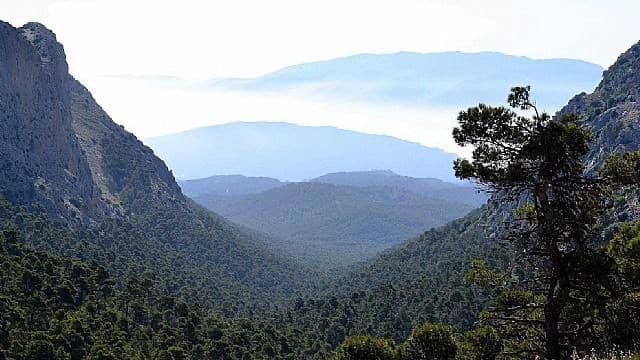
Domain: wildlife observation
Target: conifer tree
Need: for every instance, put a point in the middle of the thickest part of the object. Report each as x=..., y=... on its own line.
x=559, y=273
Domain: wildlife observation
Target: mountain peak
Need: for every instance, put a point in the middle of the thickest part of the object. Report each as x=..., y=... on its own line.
x=52, y=56
x=622, y=79
x=39, y=29
x=612, y=111
x=293, y=153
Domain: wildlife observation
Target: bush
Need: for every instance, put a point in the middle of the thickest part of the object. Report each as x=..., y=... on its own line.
x=365, y=348
x=483, y=343
x=430, y=342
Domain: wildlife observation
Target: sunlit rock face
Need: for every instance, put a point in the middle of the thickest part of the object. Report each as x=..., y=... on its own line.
x=59, y=151
x=41, y=160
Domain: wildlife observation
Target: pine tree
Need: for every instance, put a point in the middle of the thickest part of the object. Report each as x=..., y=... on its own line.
x=559, y=273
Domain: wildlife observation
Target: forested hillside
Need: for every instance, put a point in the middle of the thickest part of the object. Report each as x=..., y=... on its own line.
x=228, y=185
x=57, y=308
x=430, y=187
x=336, y=225
x=423, y=281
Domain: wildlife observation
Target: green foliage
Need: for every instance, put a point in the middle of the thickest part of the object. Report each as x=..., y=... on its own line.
x=625, y=248
x=430, y=342
x=526, y=211
x=623, y=327
x=53, y=308
x=365, y=348
x=334, y=225
x=188, y=257
x=623, y=169
x=479, y=274
x=558, y=275
x=482, y=343
x=420, y=282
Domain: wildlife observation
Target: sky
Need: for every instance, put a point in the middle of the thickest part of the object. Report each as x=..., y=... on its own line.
x=112, y=46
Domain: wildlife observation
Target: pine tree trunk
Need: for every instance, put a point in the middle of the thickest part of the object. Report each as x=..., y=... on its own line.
x=556, y=300
x=551, y=325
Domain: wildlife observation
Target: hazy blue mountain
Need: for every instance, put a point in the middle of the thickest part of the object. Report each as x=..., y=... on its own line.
x=293, y=153
x=336, y=224
x=228, y=185
x=442, y=79
x=430, y=187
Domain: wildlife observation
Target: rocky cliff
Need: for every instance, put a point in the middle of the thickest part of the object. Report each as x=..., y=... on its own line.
x=612, y=111
x=41, y=160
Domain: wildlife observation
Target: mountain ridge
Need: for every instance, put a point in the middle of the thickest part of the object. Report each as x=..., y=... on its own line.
x=333, y=224
x=440, y=78
x=293, y=152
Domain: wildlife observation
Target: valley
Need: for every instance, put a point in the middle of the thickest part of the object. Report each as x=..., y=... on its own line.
x=337, y=219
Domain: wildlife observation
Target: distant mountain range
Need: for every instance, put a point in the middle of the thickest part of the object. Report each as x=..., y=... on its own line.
x=228, y=185
x=429, y=187
x=443, y=82
x=431, y=79
x=245, y=185
x=336, y=219
x=97, y=237
x=294, y=153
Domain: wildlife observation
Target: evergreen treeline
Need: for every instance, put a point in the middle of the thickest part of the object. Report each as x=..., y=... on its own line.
x=557, y=274
x=56, y=308
x=125, y=250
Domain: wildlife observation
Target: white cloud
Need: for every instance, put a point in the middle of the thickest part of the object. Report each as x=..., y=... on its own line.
x=168, y=109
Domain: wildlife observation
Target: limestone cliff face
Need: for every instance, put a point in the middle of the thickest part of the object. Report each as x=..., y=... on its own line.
x=59, y=150
x=41, y=162
x=612, y=111
x=120, y=163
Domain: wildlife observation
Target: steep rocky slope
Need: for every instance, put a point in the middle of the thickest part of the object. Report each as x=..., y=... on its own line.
x=612, y=111
x=41, y=161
